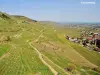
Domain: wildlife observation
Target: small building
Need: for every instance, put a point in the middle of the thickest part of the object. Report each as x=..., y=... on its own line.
x=98, y=43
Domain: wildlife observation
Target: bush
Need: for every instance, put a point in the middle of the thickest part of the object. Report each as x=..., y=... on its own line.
x=97, y=69
x=94, y=47
x=5, y=38
x=71, y=67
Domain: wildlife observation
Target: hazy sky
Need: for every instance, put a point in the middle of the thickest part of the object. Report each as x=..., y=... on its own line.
x=53, y=10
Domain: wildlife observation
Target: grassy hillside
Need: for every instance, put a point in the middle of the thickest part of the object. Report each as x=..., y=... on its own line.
x=18, y=57
x=3, y=49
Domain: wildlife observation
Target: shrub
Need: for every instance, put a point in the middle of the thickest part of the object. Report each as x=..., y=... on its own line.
x=97, y=69
x=71, y=67
x=5, y=38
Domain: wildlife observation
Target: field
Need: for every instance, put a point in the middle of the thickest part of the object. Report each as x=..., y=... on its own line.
x=32, y=48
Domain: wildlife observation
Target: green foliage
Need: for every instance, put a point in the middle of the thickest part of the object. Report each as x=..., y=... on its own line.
x=71, y=67
x=3, y=50
x=89, y=55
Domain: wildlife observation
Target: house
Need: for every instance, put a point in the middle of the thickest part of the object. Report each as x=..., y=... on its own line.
x=98, y=43
x=84, y=42
x=97, y=36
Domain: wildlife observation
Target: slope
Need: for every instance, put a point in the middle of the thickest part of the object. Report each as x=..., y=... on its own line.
x=22, y=59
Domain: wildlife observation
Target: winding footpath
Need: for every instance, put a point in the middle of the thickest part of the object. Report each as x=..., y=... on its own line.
x=5, y=55
x=41, y=58
x=42, y=55
x=57, y=66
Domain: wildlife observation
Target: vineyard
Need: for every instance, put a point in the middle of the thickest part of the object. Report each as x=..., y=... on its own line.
x=33, y=48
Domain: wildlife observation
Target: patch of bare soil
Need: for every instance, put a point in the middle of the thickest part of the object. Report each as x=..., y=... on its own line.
x=50, y=45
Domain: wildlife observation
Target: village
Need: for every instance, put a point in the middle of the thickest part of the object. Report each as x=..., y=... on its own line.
x=90, y=40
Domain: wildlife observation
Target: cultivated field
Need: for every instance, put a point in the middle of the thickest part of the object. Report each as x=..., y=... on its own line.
x=32, y=48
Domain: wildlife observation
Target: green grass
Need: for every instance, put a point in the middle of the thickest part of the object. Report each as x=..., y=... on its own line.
x=23, y=60
x=71, y=32
x=58, y=60
x=54, y=66
x=3, y=49
x=92, y=56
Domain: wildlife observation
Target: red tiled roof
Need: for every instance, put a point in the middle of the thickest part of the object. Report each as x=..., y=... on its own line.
x=90, y=38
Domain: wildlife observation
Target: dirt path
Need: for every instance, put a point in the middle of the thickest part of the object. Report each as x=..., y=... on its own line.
x=57, y=65
x=41, y=58
x=42, y=55
x=5, y=55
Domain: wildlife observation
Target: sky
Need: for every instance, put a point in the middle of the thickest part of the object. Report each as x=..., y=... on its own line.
x=54, y=10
